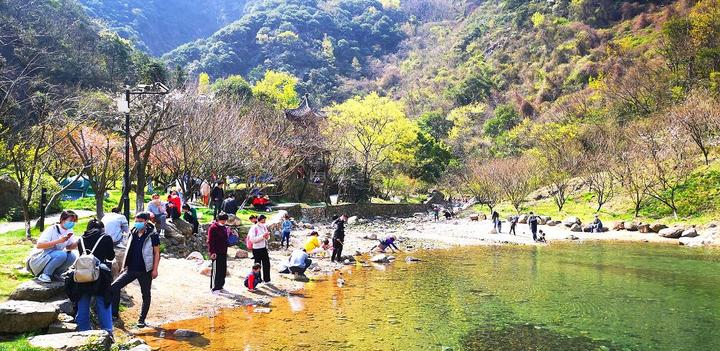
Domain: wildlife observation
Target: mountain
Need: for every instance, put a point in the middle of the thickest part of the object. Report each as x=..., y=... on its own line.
x=320, y=42
x=158, y=26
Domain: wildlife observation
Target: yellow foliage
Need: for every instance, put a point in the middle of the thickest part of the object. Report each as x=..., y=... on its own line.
x=463, y=119
x=278, y=89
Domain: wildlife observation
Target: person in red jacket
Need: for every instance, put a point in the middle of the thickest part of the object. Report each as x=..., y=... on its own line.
x=217, y=247
x=175, y=203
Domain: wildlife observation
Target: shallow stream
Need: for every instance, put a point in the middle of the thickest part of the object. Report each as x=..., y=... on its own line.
x=567, y=296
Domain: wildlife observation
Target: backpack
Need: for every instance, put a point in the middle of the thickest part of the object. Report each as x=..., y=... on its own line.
x=248, y=242
x=232, y=238
x=87, y=266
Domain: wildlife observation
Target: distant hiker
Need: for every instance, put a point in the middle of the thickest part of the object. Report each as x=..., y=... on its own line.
x=230, y=205
x=116, y=226
x=142, y=259
x=174, y=205
x=436, y=212
x=338, y=238
x=157, y=208
x=94, y=242
x=259, y=236
x=56, y=243
x=513, y=223
x=533, y=224
x=217, y=241
x=217, y=195
x=387, y=242
x=496, y=222
x=190, y=216
x=596, y=226
x=253, y=279
x=287, y=225
x=205, y=192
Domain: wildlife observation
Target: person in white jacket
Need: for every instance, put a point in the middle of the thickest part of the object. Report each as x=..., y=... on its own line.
x=259, y=236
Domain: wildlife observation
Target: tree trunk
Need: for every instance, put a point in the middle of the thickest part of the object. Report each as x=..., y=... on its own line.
x=99, y=203
x=27, y=219
x=140, y=187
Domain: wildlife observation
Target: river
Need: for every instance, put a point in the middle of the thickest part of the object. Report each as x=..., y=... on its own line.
x=564, y=296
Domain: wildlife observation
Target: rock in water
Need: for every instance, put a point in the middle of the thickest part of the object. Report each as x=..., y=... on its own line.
x=261, y=310
x=572, y=237
x=657, y=227
x=141, y=348
x=576, y=228
x=553, y=223
x=24, y=316
x=381, y=258
x=185, y=333
x=34, y=290
x=673, y=233
x=352, y=220
x=73, y=341
x=689, y=233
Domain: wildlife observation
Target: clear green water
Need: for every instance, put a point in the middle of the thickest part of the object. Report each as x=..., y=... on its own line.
x=595, y=296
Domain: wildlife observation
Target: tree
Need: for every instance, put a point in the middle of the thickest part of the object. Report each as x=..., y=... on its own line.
x=375, y=132
x=233, y=87
x=505, y=119
x=558, y=147
x=515, y=177
x=698, y=117
x=435, y=123
x=480, y=178
x=431, y=158
x=277, y=89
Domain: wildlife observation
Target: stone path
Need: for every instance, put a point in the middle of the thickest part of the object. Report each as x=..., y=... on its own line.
x=10, y=226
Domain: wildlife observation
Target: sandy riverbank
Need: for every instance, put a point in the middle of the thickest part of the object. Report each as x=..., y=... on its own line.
x=181, y=292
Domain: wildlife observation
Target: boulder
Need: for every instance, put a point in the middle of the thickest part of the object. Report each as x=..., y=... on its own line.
x=569, y=221
x=474, y=217
x=233, y=220
x=58, y=327
x=673, y=233
x=87, y=340
x=644, y=228
x=24, y=316
x=618, y=226
x=435, y=197
x=352, y=220
x=545, y=219
x=195, y=256
x=34, y=290
x=523, y=219
x=689, y=233
x=576, y=228
x=381, y=258
x=696, y=241
x=178, y=228
x=657, y=227
x=63, y=306
x=552, y=223
x=241, y=254
x=9, y=195
x=572, y=237
x=631, y=226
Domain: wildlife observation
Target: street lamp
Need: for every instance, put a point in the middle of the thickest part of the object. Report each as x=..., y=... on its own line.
x=124, y=107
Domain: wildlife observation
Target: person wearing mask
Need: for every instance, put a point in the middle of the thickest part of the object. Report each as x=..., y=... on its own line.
x=230, y=205
x=205, y=192
x=287, y=225
x=259, y=236
x=217, y=241
x=190, y=216
x=338, y=238
x=533, y=224
x=141, y=263
x=216, y=196
x=97, y=243
x=56, y=243
x=116, y=226
x=174, y=205
x=158, y=210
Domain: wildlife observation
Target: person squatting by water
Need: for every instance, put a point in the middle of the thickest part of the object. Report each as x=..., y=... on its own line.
x=259, y=236
x=217, y=241
x=253, y=279
x=387, y=242
x=338, y=238
x=142, y=259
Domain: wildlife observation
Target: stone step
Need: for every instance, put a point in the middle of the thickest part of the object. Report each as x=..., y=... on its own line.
x=17, y=316
x=34, y=290
x=73, y=341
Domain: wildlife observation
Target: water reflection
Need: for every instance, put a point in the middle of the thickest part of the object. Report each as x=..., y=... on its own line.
x=561, y=297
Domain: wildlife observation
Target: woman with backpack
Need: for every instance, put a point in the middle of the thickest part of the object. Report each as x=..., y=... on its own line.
x=92, y=277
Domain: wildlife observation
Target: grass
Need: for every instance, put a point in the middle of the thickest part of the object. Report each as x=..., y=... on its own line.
x=14, y=248
x=88, y=203
x=20, y=343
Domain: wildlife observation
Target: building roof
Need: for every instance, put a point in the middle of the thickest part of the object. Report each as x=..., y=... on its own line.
x=304, y=111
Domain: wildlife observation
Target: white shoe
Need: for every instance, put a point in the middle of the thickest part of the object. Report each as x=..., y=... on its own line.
x=44, y=278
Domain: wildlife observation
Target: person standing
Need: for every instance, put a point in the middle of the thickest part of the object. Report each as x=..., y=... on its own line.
x=100, y=245
x=217, y=241
x=338, y=238
x=436, y=212
x=496, y=222
x=56, y=243
x=158, y=209
x=287, y=225
x=259, y=236
x=217, y=195
x=513, y=223
x=190, y=216
x=142, y=259
x=116, y=226
x=205, y=192
x=533, y=223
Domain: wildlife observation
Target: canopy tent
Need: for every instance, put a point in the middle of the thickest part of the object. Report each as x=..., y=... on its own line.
x=79, y=188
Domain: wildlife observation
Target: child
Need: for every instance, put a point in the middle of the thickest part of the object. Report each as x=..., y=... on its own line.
x=541, y=237
x=287, y=225
x=253, y=279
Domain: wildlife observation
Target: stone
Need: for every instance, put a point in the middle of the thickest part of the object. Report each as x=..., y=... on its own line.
x=196, y=256
x=233, y=221
x=673, y=233
x=475, y=217
x=63, y=306
x=523, y=219
x=618, y=226
x=308, y=226
x=73, y=341
x=381, y=258
x=576, y=228
x=644, y=228
x=657, y=227
x=631, y=226
x=696, y=241
x=24, y=316
x=185, y=333
x=372, y=236
x=64, y=317
x=352, y=220
x=141, y=348
x=33, y=290
x=493, y=231
x=569, y=221
x=553, y=223
x=178, y=228
x=206, y=271
x=572, y=237
x=134, y=342
x=689, y=233
x=9, y=195
x=58, y=327
x=412, y=259
x=262, y=310
x=542, y=221
x=241, y=254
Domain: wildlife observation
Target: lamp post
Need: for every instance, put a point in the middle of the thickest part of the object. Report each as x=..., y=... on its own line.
x=124, y=107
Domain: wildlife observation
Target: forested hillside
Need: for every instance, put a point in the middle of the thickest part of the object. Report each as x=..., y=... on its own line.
x=158, y=26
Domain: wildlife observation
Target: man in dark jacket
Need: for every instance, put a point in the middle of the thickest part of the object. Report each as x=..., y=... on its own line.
x=217, y=195
x=338, y=238
x=533, y=223
x=217, y=248
x=230, y=205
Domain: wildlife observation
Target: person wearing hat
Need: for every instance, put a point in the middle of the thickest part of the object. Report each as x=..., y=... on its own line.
x=141, y=263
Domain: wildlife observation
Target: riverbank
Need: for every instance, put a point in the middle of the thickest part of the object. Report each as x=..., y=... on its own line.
x=182, y=292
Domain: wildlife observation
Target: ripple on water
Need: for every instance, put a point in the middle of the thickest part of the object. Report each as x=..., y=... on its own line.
x=527, y=337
